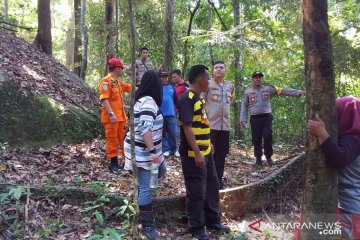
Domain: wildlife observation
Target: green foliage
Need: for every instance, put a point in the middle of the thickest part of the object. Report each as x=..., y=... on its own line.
x=11, y=211
x=105, y=234
x=270, y=40
x=127, y=210
x=232, y=236
x=102, y=209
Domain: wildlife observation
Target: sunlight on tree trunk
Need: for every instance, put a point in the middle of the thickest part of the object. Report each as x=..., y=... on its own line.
x=69, y=45
x=319, y=199
x=85, y=33
x=43, y=36
x=168, y=38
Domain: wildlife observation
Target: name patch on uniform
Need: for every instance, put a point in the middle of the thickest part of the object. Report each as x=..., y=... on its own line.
x=105, y=87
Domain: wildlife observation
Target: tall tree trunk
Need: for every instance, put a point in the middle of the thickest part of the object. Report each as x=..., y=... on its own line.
x=6, y=12
x=85, y=34
x=43, y=36
x=168, y=37
x=77, y=37
x=133, y=83
x=117, y=21
x=109, y=19
x=319, y=199
x=188, y=32
x=70, y=43
x=209, y=28
x=238, y=133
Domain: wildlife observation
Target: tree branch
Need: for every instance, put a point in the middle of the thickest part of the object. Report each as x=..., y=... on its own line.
x=11, y=24
x=218, y=15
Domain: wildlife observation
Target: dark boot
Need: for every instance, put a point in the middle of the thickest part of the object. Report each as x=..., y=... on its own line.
x=200, y=234
x=147, y=222
x=114, y=165
x=270, y=162
x=219, y=227
x=257, y=163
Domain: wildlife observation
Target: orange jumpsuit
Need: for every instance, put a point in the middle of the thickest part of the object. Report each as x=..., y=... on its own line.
x=112, y=90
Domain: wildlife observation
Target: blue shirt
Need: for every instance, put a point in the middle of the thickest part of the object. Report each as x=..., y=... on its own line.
x=167, y=106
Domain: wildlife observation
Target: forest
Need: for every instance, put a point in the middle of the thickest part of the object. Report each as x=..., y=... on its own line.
x=54, y=182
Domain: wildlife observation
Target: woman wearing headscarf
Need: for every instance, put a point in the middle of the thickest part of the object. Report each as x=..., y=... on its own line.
x=148, y=123
x=344, y=156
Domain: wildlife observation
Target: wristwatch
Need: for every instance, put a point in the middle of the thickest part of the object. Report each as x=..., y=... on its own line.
x=111, y=114
x=152, y=151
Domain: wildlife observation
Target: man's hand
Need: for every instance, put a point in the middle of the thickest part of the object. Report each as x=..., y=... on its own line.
x=155, y=158
x=303, y=93
x=113, y=118
x=199, y=160
x=243, y=124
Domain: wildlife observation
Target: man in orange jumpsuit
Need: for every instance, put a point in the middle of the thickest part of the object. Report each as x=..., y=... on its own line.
x=113, y=114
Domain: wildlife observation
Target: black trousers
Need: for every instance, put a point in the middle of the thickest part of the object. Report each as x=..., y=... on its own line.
x=261, y=127
x=220, y=141
x=202, y=192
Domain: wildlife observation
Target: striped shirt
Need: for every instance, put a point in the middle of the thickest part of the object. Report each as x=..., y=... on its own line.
x=147, y=117
x=192, y=110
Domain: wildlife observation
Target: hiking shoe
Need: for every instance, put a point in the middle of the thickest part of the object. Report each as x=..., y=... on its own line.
x=271, y=162
x=114, y=169
x=257, y=163
x=177, y=154
x=166, y=154
x=219, y=227
x=200, y=234
x=150, y=233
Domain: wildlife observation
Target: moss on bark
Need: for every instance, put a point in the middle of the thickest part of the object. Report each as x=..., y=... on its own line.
x=28, y=120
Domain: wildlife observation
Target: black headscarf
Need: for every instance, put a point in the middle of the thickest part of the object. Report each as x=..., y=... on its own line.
x=150, y=85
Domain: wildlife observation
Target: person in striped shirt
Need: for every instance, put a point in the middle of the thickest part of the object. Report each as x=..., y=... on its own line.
x=201, y=181
x=148, y=124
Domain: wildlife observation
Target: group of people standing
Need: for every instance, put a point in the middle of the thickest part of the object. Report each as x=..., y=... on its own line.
x=202, y=108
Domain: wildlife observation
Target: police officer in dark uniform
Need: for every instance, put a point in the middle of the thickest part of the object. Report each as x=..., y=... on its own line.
x=257, y=102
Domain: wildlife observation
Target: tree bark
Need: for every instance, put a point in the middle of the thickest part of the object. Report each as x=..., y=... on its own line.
x=188, y=33
x=168, y=36
x=109, y=19
x=77, y=38
x=239, y=134
x=43, y=36
x=320, y=195
x=85, y=34
x=133, y=84
x=117, y=23
x=70, y=43
x=209, y=28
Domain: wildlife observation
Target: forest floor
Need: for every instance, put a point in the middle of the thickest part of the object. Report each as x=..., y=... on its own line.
x=83, y=165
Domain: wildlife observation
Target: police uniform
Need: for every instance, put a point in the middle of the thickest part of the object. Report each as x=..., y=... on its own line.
x=257, y=102
x=218, y=101
x=141, y=67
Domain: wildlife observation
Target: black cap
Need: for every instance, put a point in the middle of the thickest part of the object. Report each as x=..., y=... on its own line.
x=163, y=73
x=257, y=73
